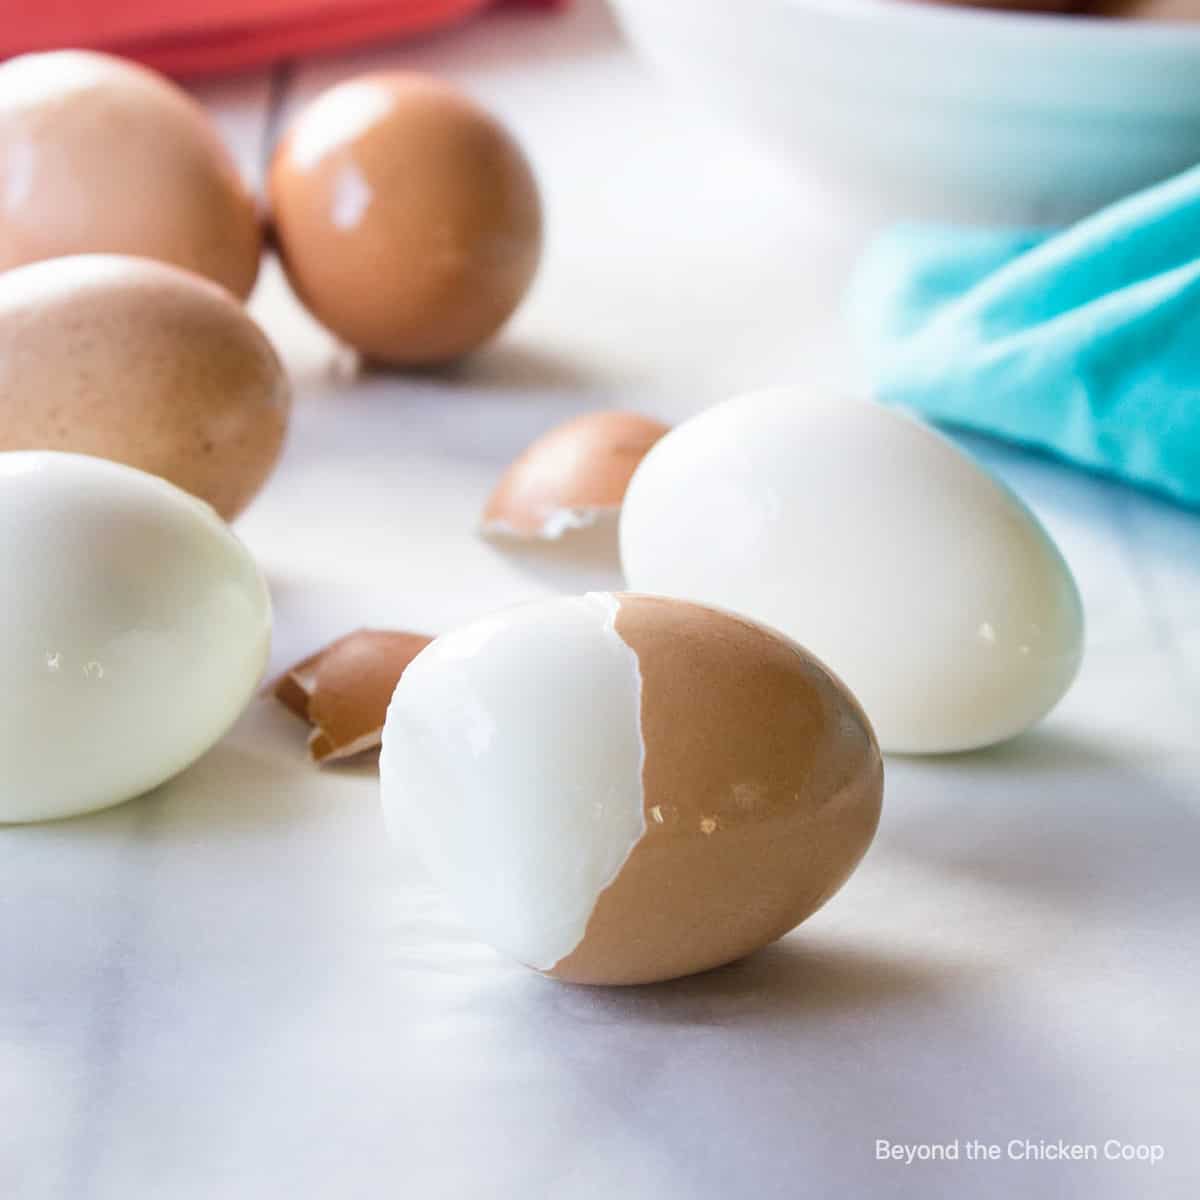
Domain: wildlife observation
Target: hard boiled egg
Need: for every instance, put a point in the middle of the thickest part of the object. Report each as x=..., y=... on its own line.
x=135, y=629
x=621, y=789
x=874, y=542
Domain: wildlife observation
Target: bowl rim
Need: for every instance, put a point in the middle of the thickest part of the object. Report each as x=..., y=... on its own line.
x=1075, y=28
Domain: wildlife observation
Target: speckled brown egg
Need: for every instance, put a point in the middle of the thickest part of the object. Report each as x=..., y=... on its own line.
x=100, y=155
x=142, y=363
x=407, y=218
x=619, y=789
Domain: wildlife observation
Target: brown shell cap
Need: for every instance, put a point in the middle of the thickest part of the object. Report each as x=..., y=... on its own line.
x=344, y=690
x=762, y=787
x=103, y=156
x=569, y=475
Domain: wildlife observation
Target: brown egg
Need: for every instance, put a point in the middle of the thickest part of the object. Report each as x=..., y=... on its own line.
x=408, y=220
x=144, y=364
x=570, y=476
x=344, y=689
x=619, y=789
x=99, y=155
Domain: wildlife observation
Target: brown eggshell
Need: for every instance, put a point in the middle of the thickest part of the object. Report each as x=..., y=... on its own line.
x=762, y=787
x=1022, y=6
x=99, y=155
x=1150, y=10
x=343, y=691
x=144, y=364
x=408, y=220
x=570, y=475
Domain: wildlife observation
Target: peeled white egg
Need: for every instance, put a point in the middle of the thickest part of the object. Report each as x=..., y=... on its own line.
x=875, y=543
x=136, y=627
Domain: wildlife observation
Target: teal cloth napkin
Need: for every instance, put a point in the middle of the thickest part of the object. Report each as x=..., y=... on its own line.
x=1083, y=342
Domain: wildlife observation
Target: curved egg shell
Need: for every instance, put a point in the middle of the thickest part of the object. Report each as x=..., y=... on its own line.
x=145, y=364
x=761, y=782
x=408, y=220
x=921, y=580
x=98, y=155
x=623, y=789
x=343, y=690
x=135, y=629
x=571, y=475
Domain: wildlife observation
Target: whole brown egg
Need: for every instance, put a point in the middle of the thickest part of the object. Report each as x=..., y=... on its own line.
x=98, y=155
x=139, y=362
x=407, y=218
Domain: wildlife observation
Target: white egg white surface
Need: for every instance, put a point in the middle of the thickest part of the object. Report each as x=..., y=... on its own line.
x=874, y=542
x=136, y=627
x=512, y=756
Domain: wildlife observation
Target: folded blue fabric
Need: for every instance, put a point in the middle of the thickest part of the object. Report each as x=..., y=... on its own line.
x=1084, y=342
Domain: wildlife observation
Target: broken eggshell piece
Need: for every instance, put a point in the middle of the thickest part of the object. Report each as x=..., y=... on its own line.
x=570, y=476
x=344, y=689
x=620, y=789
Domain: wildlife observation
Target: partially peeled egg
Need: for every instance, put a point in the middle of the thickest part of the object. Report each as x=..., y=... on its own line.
x=619, y=789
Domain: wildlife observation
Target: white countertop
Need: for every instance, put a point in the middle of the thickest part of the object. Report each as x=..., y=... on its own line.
x=235, y=987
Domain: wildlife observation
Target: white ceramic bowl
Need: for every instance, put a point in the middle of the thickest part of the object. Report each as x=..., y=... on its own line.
x=941, y=110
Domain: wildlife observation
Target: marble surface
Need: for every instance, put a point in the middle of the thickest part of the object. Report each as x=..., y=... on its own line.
x=235, y=987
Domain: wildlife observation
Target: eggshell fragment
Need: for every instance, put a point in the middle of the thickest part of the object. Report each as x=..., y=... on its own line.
x=925, y=583
x=135, y=630
x=619, y=789
x=407, y=218
x=98, y=155
x=143, y=363
x=343, y=690
x=570, y=476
